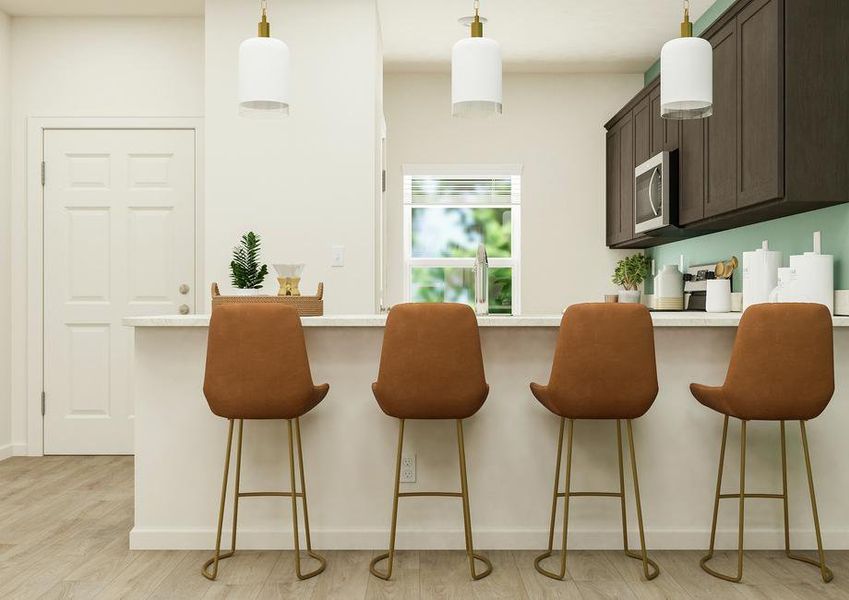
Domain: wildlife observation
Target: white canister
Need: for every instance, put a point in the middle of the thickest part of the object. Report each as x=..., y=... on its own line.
x=760, y=274
x=669, y=289
x=718, y=296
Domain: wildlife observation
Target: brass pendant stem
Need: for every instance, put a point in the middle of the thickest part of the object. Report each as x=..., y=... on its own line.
x=264, y=27
x=686, y=25
x=477, y=27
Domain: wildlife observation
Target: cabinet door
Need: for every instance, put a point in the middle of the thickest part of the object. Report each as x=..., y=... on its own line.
x=642, y=132
x=760, y=77
x=664, y=131
x=722, y=125
x=626, y=180
x=691, y=172
x=612, y=186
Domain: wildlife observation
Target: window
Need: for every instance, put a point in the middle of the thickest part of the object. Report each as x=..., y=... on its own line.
x=448, y=212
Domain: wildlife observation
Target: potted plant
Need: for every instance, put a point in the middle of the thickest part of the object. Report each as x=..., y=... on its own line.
x=246, y=274
x=630, y=273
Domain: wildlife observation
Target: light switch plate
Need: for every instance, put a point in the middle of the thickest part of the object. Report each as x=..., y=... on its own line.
x=337, y=256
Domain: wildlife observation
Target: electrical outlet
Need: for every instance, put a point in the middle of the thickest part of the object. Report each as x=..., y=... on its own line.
x=408, y=468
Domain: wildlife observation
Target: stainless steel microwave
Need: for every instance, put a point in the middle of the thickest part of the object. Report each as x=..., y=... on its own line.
x=656, y=195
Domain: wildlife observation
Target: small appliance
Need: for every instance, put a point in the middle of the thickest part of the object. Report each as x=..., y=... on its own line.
x=656, y=195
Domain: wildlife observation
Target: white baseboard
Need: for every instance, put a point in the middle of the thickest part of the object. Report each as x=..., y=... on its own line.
x=280, y=539
x=10, y=450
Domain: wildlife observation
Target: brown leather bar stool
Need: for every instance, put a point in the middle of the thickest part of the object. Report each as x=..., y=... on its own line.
x=782, y=369
x=431, y=368
x=257, y=368
x=604, y=368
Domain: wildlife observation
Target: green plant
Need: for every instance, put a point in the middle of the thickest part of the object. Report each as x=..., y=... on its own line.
x=245, y=272
x=631, y=271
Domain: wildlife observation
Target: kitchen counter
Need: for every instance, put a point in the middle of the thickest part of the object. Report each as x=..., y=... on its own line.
x=349, y=448
x=660, y=319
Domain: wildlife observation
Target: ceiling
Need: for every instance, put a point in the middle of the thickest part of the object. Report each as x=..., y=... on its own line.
x=102, y=8
x=535, y=35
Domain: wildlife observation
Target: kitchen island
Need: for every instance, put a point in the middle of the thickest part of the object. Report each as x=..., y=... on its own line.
x=349, y=448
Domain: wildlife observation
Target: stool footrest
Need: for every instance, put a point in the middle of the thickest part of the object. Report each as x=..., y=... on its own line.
x=430, y=494
x=747, y=495
x=590, y=495
x=269, y=494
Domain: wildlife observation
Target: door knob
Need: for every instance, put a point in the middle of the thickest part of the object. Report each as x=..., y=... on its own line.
x=184, y=309
x=184, y=289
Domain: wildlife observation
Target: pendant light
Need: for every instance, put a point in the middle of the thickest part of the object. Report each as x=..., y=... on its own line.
x=476, y=72
x=686, y=75
x=263, y=73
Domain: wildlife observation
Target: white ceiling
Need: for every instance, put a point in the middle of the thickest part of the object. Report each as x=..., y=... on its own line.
x=102, y=8
x=535, y=35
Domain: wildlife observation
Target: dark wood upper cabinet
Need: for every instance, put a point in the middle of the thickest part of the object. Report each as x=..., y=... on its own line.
x=691, y=172
x=642, y=132
x=626, y=180
x=721, y=127
x=777, y=142
x=760, y=142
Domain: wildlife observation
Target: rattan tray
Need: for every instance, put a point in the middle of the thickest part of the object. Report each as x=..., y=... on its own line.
x=307, y=306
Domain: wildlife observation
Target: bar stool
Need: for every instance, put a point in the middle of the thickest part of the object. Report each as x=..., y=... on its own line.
x=604, y=368
x=257, y=368
x=431, y=368
x=782, y=369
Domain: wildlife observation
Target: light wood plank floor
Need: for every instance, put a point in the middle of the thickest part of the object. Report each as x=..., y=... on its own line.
x=64, y=523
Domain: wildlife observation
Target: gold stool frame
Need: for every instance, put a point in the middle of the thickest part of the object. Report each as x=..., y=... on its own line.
x=825, y=572
x=650, y=568
x=293, y=494
x=467, y=518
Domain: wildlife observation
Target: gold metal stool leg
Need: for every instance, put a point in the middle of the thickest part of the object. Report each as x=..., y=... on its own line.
x=825, y=572
x=218, y=556
x=467, y=517
x=643, y=555
x=391, y=554
x=650, y=568
x=294, y=496
x=719, y=496
x=554, y=498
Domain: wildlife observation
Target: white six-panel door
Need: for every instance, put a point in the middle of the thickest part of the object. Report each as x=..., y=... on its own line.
x=119, y=240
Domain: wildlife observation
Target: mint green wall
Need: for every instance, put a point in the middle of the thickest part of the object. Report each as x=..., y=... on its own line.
x=702, y=23
x=791, y=235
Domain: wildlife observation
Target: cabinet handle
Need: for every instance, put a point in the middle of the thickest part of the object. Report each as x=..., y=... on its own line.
x=184, y=309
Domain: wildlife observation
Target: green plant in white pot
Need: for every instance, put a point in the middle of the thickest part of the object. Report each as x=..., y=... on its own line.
x=630, y=273
x=246, y=274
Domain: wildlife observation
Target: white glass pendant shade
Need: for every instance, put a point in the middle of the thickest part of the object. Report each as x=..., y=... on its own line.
x=263, y=77
x=476, y=77
x=686, y=79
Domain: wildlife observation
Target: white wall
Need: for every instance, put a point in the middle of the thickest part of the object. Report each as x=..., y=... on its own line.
x=92, y=67
x=553, y=126
x=5, y=333
x=306, y=182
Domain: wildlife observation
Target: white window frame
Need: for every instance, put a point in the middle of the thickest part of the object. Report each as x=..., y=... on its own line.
x=514, y=172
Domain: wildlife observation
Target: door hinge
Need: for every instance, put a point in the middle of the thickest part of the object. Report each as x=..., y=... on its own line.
x=43, y=402
x=43, y=172
x=382, y=179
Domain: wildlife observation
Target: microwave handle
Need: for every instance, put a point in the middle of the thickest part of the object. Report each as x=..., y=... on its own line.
x=654, y=209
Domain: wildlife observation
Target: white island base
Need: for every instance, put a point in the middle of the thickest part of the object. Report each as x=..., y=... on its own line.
x=349, y=450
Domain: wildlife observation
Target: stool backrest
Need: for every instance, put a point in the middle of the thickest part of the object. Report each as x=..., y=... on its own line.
x=605, y=359
x=256, y=362
x=431, y=365
x=783, y=361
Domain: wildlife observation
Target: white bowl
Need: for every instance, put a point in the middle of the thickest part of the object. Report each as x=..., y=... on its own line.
x=289, y=270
